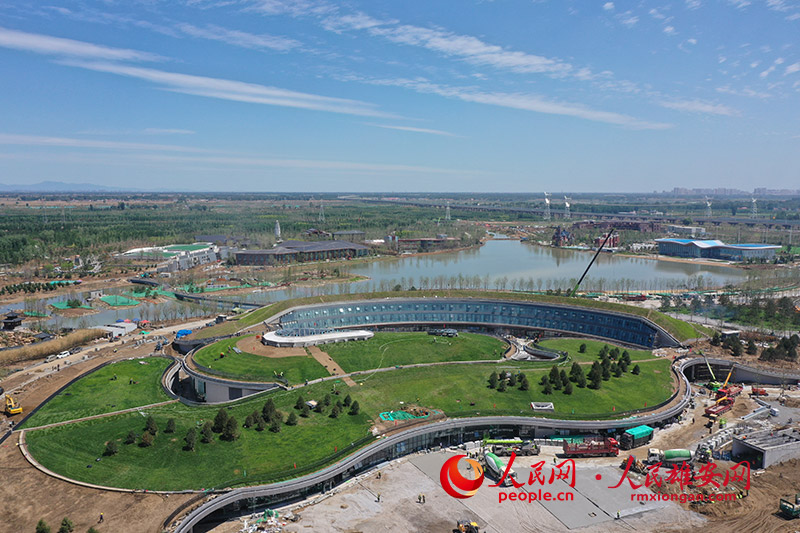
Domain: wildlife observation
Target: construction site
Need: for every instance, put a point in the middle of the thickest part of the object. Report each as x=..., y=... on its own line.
x=675, y=466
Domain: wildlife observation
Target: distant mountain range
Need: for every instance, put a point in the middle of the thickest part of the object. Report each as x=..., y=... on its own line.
x=60, y=186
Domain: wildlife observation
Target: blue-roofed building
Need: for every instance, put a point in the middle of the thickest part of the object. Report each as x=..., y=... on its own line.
x=714, y=249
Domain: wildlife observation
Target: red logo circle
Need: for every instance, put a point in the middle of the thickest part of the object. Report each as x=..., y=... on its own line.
x=455, y=484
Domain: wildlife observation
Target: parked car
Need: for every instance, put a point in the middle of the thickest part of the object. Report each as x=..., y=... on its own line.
x=75, y=349
x=62, y=355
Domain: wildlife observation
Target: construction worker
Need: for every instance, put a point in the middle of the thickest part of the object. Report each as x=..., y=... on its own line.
x=379, y=497
x=423, y=498
x=101, y=518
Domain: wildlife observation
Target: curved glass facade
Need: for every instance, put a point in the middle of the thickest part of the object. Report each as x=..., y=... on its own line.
x=491, y=313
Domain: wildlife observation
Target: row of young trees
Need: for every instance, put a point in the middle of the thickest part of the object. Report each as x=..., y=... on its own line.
x=612, y=362
x=67, y=526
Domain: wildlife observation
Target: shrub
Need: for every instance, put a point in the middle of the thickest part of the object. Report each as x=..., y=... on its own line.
x=42, y=527
x=150, y=426
x=292, y=420
x=261, y=424
x=636, y=370
x=275, y=427
x=170, y=426
x=582, y=348
x=111, y=448
x=131, y=438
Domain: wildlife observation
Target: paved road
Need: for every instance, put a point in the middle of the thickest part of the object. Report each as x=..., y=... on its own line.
x=722, y=324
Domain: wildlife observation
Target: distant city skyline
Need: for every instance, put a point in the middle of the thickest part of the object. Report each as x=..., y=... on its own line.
x=312, y=95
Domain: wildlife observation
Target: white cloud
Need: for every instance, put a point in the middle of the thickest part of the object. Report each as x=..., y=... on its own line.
x=295, y=8
x=778, y=5
x=791, y=69
x=238, y=91
x=45, y=44
x=239, y=38
x=608, y=6
x=415, y=130
x=793, y=16
x=168, y=131
x=358, y=21
x=743, y=92
x=669, y=30
x=767, y=72
x=206, y=157
x=472, y=49
x=525, y=102
x=698, y=106
x=656, y=14
x=739, y=4
x=145, y=131
x=693, y=4
x=628, y=19
x=691, y=41
x=68, y=142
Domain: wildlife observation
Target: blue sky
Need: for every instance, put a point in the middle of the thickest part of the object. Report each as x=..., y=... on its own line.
x=418, y=95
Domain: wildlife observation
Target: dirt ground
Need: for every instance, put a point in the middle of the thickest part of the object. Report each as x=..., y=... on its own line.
x=330, y=365
x=254, y=346
x=30, y=495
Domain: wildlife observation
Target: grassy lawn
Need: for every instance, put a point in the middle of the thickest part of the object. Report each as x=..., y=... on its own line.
x=248, y=366
x=98, y=393
x=266, y=456
x=592, y=349
x=681, y=330
x=69, y=449
x=390, y=349
x=453, y=388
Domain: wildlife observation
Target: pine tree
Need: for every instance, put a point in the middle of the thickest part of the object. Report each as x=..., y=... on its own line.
x=636, y=370
x=347, y=401
x=355, y=408
x=305, y=412
x=207, y=432
x=170, y=426
x=147, y=439
x=617, y=371
x=261, y=424
x=606, y=373
x=275, y=427
x=42, y=527
x=292, y=420
x=563, y=376
x=220, y=420
x=190, y=439
x=131, y=438
x=268, y=409
x=493, y=380
x=752, y=349
x=512, y=381
x=502, y=386
x=582, y=348
x=66, y=526
x=548, y=389
x=568, y=388
x=150, y=426
x=299, y=403
x=626, y=357
x=335, y=411
x=231, y=431
x=524, y=385
x=327, y=400
x=581, y=380
x=111, y=448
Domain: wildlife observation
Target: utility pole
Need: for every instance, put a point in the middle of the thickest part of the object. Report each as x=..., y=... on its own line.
x=321, y=212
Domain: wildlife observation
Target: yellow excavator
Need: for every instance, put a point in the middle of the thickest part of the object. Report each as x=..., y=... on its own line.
x=12, y=406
